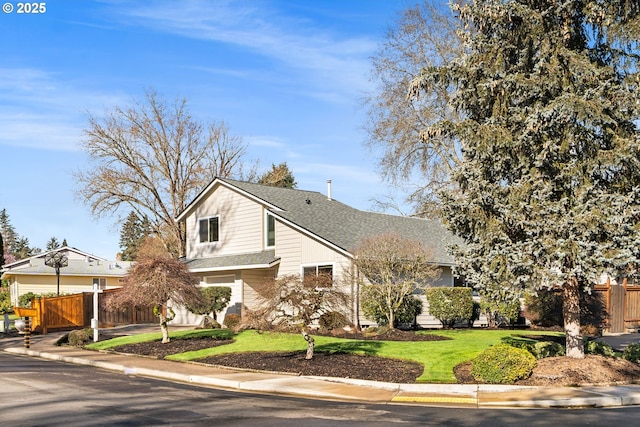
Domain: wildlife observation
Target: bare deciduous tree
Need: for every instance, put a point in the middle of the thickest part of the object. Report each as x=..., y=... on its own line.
x=394, y=269
x=153, y=158
x=424, y=36
x=153, y=282
x=290, y=302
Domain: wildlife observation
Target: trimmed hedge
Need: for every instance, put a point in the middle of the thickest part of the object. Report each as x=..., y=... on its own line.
x=450, y=305
x=503, y=364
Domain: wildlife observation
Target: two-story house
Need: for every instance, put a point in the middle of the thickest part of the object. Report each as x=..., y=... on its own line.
x=239, y=234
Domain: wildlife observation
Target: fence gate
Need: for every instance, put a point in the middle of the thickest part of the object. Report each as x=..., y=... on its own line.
x=616, y=308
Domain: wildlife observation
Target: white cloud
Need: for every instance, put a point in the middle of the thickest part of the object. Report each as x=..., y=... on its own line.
x=335, y=65
x=38, y=110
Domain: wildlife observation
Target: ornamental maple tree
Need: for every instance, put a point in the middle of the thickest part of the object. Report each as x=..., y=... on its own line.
x=550, y=179
x=153, y=281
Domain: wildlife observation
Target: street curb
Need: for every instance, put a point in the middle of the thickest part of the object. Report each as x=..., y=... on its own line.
x=283, y=386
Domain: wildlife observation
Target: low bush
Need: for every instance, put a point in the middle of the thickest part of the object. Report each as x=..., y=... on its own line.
x=632, y=353
x=544, y=349
x=232, y=320
x=80, y=337
x=450, y=305
x=539, y=349
x=503, y=364
x=333, y=320
x=406, y=313
x=597, y=347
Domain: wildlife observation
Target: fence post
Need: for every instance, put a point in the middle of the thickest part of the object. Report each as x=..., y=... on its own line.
x=27, y=332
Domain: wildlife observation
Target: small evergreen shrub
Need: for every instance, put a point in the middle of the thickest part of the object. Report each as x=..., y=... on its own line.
x=80, y=337
x=450, y=305
x=503, y=364
x=544, y=349
x=333, y=320
x=597, y=347
x=525, y=344
x=232, y=320
x=24, y=300
x=632, y=353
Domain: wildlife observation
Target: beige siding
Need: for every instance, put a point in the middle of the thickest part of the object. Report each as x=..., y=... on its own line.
x=241, y=225
x=253, y=280
x=23, y=284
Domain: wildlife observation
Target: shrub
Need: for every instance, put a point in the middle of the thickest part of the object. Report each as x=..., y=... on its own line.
x=500, y=306
x=80, y=337
x=632, y=353
x=5, y=300
x=333, y=320
x=24, y=300
x=214, y=300
x=539, y=349
x=232, y=320
x=450, y=305
x=597, y=347
x=544, y=349
x=409, y=309
x=503, y=364
x=525, y=344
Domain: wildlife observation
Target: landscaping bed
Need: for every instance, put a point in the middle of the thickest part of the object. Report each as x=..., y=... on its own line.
x=553, y=371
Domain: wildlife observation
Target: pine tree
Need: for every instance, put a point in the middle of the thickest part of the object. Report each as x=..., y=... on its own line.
x=52, y=244
x=8, y=231
x=550, y=181
x=133, y=232
x=278, y=176
x=1, y=251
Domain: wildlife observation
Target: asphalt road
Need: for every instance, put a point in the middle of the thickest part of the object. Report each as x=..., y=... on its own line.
x=36, y=392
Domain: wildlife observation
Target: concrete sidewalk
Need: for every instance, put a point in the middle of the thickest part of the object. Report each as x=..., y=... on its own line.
x=479, y=396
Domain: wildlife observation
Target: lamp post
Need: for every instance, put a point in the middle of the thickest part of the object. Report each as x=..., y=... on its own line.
x=56, y=260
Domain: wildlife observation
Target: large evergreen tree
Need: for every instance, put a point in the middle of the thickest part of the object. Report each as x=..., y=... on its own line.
x=278, y=176
x=550, y=180
x=133, y=232
x=8, y=231
x=1, y=251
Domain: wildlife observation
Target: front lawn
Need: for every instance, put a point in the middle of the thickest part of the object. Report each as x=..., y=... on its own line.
x=437, y=357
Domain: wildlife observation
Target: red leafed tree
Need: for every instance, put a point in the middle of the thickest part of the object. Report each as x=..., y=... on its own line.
x=154, y=281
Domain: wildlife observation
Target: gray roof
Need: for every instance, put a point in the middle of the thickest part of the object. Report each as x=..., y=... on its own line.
x=344, y=226
x=76, y=267
x=262, y=259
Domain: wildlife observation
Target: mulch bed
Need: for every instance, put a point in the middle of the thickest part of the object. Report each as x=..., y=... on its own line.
x=323, y=364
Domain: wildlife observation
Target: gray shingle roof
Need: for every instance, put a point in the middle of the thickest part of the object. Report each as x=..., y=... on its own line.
x=76, y=267
x=345, y=226
x=250, y=260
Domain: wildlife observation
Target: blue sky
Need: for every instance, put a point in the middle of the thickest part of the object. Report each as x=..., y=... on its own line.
x=288, y=77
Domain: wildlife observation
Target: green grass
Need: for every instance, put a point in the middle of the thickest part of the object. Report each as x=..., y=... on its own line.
x=437, y=357
x=157, y=336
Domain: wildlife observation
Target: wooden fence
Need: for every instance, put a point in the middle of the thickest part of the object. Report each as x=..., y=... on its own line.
x=76, y=311
x=622, y=303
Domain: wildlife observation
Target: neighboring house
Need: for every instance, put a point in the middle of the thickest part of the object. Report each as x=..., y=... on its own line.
x=83, y=270
x=239, y=234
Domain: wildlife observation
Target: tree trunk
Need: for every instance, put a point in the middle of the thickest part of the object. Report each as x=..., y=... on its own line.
x=165, y=329
x=310, y=344
x=571, y=313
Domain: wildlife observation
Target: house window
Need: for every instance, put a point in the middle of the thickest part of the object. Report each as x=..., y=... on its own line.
x=318, y=275
x=209, y=229
x=271, y=230
x=101, y=282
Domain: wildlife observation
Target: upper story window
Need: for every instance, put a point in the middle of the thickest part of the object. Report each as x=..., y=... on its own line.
x=271, y=230
x=318, y=275
x=209, y=229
